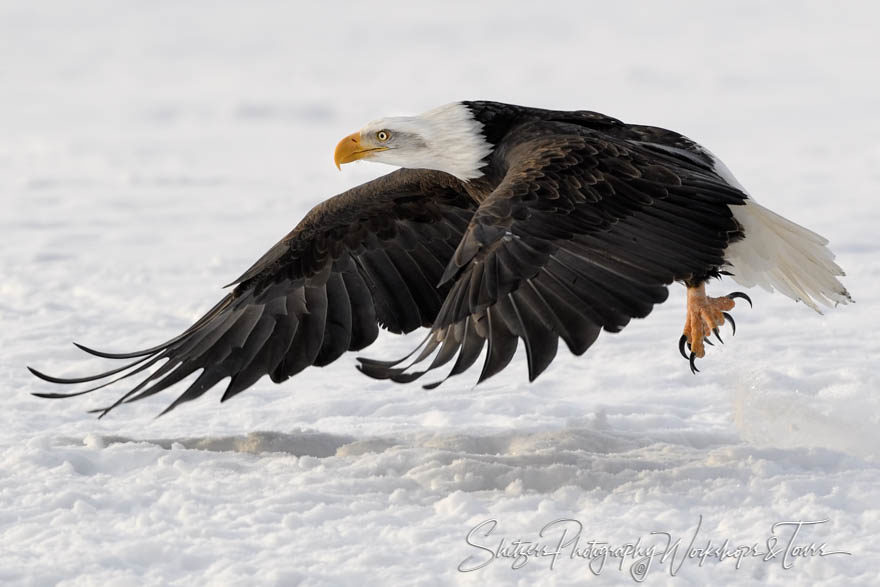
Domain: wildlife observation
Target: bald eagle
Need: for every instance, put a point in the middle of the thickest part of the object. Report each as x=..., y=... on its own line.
x=505, y=223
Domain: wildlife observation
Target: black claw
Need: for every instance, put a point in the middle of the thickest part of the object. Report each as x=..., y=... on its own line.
x=739, y=294
x=732, y=323
x=708, y=342
x=718, y=336
x=694, y=369
x=681, y=342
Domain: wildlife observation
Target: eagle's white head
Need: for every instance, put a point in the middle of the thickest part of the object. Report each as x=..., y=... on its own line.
x=447, y=139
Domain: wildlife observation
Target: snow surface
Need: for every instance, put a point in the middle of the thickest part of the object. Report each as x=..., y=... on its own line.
x=150, y=151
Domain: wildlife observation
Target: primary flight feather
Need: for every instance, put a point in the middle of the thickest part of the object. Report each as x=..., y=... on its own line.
x=506, y=223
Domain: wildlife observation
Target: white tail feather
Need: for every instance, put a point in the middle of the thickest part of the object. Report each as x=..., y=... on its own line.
x=778, y=254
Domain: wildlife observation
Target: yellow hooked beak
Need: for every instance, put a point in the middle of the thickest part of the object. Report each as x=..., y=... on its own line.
x=350, y=149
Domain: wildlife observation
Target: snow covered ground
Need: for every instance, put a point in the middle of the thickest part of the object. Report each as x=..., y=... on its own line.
x=150, y=151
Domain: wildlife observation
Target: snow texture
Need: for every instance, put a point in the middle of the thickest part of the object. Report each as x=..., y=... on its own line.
x=150, y=151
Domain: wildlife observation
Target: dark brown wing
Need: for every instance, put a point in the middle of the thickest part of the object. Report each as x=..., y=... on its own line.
x=584, y=233
x=369, y=257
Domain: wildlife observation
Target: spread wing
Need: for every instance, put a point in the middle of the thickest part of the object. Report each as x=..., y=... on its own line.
x=585, y=232
x=369, y=257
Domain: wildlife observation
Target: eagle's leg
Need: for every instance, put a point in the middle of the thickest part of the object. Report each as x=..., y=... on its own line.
x=704, y=316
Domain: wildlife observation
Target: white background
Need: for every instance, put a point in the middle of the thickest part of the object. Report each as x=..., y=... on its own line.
x=150, y=151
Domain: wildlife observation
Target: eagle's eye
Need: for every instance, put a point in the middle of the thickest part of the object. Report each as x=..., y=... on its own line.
x=383, y=135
